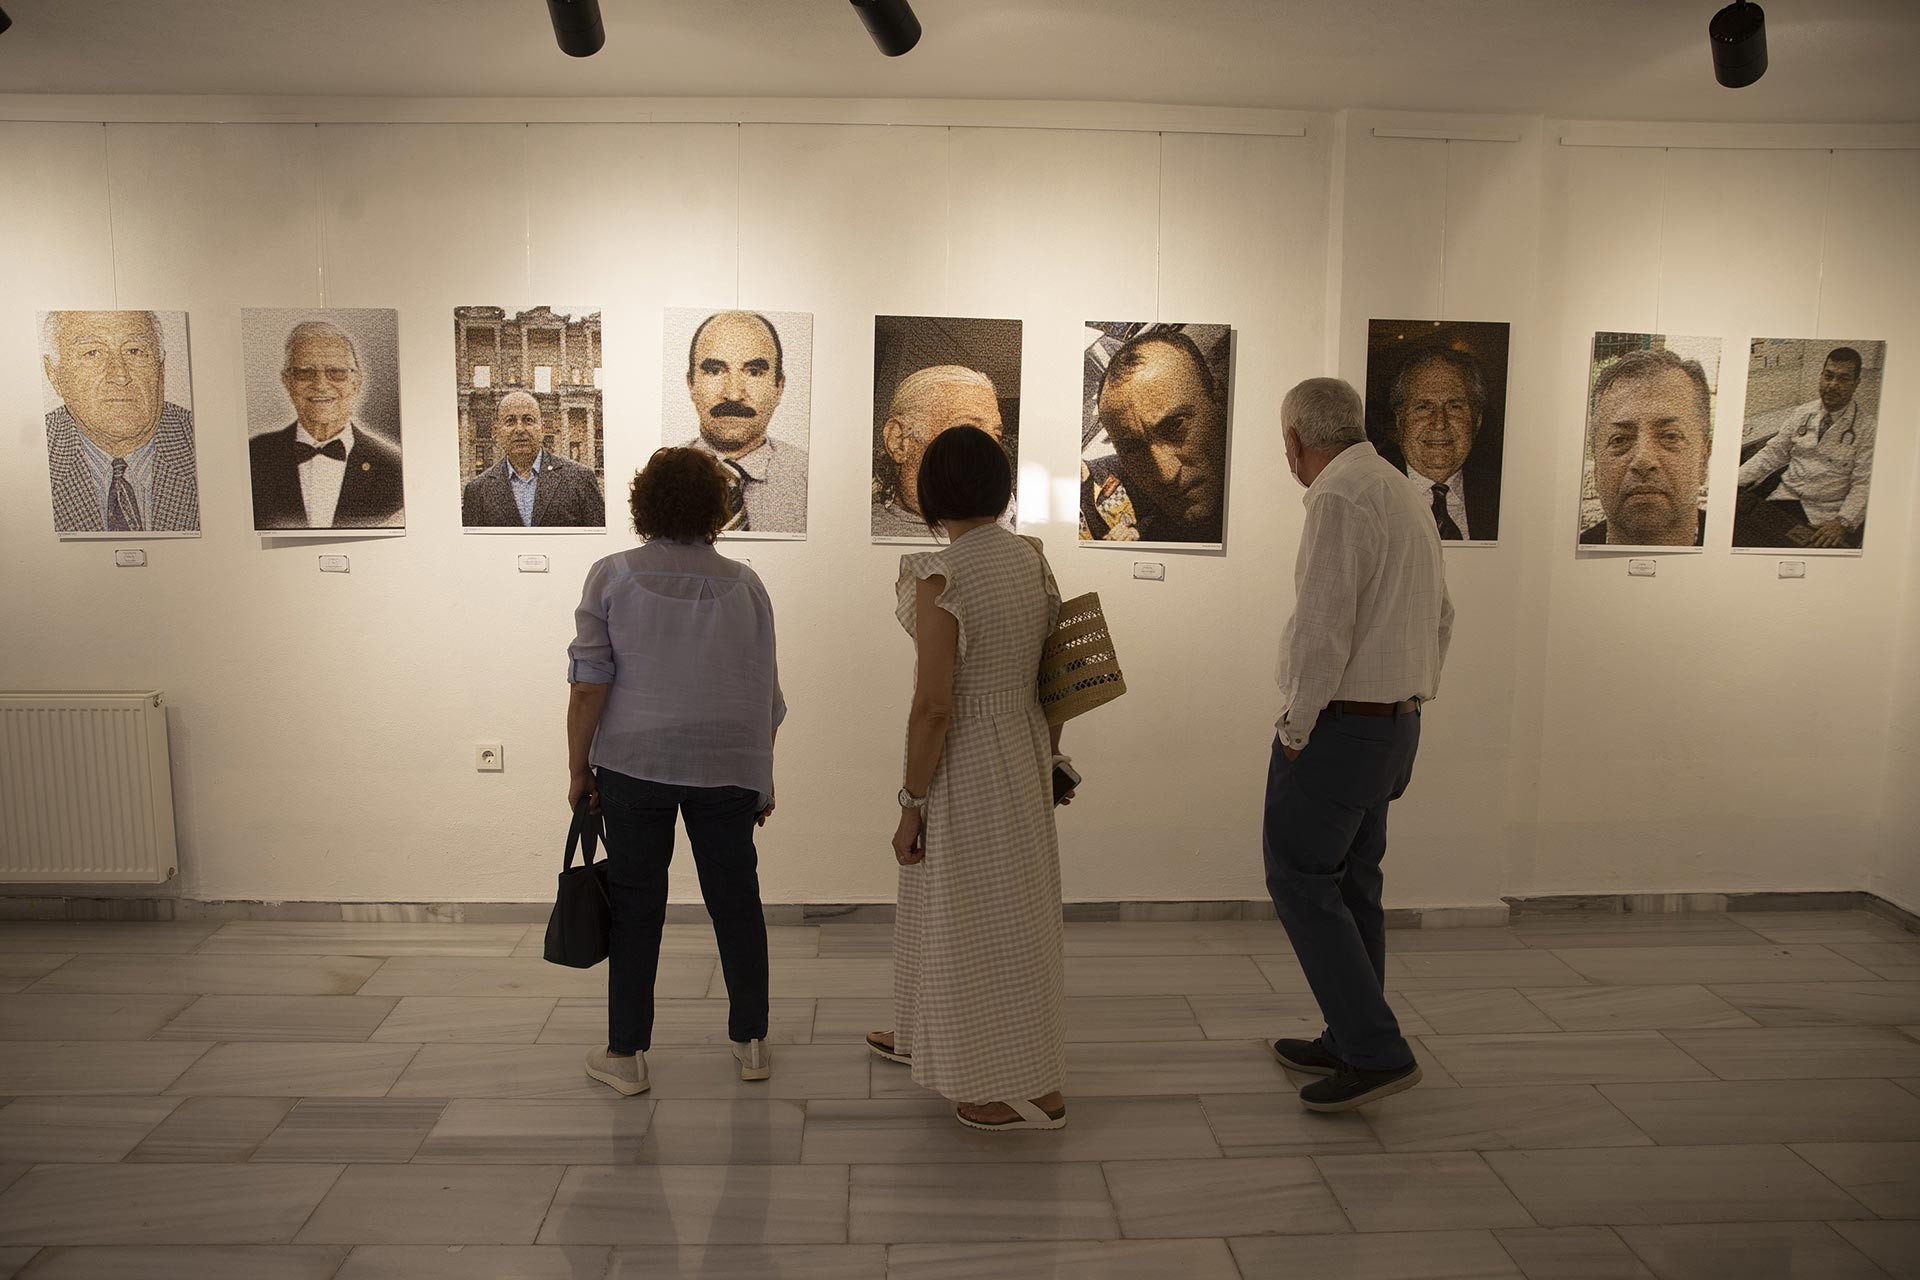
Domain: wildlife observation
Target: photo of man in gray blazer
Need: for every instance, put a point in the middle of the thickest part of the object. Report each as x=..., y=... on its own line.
x=530, y=487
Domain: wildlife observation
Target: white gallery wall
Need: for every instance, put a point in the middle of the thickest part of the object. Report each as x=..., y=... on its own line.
x=1711, y=729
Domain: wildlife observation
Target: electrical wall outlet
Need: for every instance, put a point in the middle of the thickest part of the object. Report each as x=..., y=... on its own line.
x=335, y=564
x=1642, y=568
x=134, y=559
x=1150, y=570
x=1793, y=568
x=489, y=757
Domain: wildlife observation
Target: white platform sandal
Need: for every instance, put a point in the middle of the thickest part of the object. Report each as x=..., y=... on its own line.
x=1029, y=1117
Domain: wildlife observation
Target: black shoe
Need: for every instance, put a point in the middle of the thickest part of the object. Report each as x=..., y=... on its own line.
x=1353, y=1087
x=1308, y=1057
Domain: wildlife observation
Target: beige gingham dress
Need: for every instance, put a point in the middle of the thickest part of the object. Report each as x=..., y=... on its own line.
x=979, y=995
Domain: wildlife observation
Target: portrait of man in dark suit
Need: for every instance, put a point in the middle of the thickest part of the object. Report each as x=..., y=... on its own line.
x=328, y=468
x=119, y=451
x=1436, y=409
x=530, y=487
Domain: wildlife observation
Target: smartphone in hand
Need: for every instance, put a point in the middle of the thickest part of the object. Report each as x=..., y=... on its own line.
x=1065, y=779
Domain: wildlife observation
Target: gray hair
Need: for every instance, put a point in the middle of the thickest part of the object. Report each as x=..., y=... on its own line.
x=915, y=394
x=319, y=329
x=1460, y=362
x=50, y=335
x=1325, y=413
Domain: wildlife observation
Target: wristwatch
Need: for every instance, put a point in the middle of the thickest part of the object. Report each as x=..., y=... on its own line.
x=910, y=801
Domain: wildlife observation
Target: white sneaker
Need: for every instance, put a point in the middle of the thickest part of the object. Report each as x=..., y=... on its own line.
x=626, y=1076
x=755, y=1059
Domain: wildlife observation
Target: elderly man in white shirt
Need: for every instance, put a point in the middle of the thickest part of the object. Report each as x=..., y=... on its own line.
x=1361, y=653
x=1823, y=455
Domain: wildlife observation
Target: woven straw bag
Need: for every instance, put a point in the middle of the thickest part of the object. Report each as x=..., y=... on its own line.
x=1078, y=668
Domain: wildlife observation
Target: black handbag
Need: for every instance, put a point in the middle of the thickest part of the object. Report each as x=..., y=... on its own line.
x=582, y=913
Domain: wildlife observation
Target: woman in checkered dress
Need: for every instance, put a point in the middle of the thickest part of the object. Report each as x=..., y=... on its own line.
x=978, y=988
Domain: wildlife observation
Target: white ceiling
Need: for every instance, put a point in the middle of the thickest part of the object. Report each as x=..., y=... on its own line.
x=1832, y=60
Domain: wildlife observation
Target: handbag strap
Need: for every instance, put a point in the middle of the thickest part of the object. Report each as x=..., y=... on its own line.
x=585, y=832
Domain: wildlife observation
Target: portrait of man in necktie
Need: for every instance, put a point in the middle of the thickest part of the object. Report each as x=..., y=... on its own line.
x=1436, y=409
x=120, y=453
x=337, y=464
x=745, y=398
x=1806, y=447
x=532, y=437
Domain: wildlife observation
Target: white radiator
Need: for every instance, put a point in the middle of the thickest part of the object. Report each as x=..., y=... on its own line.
x=86, y=789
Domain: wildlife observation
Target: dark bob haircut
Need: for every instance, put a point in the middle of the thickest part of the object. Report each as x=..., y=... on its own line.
x=964, y=475
x=680, y=495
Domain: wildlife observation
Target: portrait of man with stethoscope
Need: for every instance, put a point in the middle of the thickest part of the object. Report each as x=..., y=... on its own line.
x=1806, y=465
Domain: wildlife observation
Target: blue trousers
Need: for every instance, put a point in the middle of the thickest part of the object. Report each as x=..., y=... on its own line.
x=1325, y=836
x=720, y=823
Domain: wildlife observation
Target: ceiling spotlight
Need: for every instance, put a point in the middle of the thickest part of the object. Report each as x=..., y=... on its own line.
x=1738, y=34
x=891, y=24
x=576, y=25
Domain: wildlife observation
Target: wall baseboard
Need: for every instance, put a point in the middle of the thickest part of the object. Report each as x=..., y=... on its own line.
x=21, y=907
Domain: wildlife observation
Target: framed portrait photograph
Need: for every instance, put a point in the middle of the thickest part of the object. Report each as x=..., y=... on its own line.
x=117, y=390
x=1806, y=445
x=532, y=431
x=739, y=385
x=930, y=374
x=1154, y=434
x=1437, y=409
x=1649, y=435
x=323, y=420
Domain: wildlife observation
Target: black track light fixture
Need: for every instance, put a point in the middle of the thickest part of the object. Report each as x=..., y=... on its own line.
x=5, y=21
x=891, y=24
x=1738, y=34
x=577, y=26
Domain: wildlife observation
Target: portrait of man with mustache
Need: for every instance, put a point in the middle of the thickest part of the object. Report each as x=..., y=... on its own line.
x=736, y=379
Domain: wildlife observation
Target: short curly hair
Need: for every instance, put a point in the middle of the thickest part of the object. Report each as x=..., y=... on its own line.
x=681, y=494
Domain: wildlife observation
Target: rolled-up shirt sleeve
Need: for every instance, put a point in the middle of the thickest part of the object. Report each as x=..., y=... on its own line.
x=590, y=657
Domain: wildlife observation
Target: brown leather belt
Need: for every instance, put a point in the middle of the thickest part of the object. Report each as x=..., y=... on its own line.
x=1407, y=707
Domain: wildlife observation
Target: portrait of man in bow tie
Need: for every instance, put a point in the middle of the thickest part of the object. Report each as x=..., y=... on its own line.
x=746, y=385
x=1806, y=464
x=331, y=467
x=120, y=452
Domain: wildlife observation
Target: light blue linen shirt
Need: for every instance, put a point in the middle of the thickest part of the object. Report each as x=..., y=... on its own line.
x=523, y=490
x=139, y=475
x=685, y=637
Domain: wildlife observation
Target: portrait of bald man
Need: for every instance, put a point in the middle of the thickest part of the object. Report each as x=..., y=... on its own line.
x=530, y=486
x=120, y=453
x=337, y=465
x=932, y=374
x=747, y=386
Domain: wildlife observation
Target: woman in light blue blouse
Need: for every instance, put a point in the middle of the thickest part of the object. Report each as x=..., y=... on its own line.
x=674, y=706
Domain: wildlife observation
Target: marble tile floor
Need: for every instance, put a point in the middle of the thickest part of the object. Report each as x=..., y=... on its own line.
x=1643, y=1097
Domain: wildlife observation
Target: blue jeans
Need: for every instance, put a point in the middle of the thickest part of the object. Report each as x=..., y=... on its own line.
x=720, y=822
x=1325, y=836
